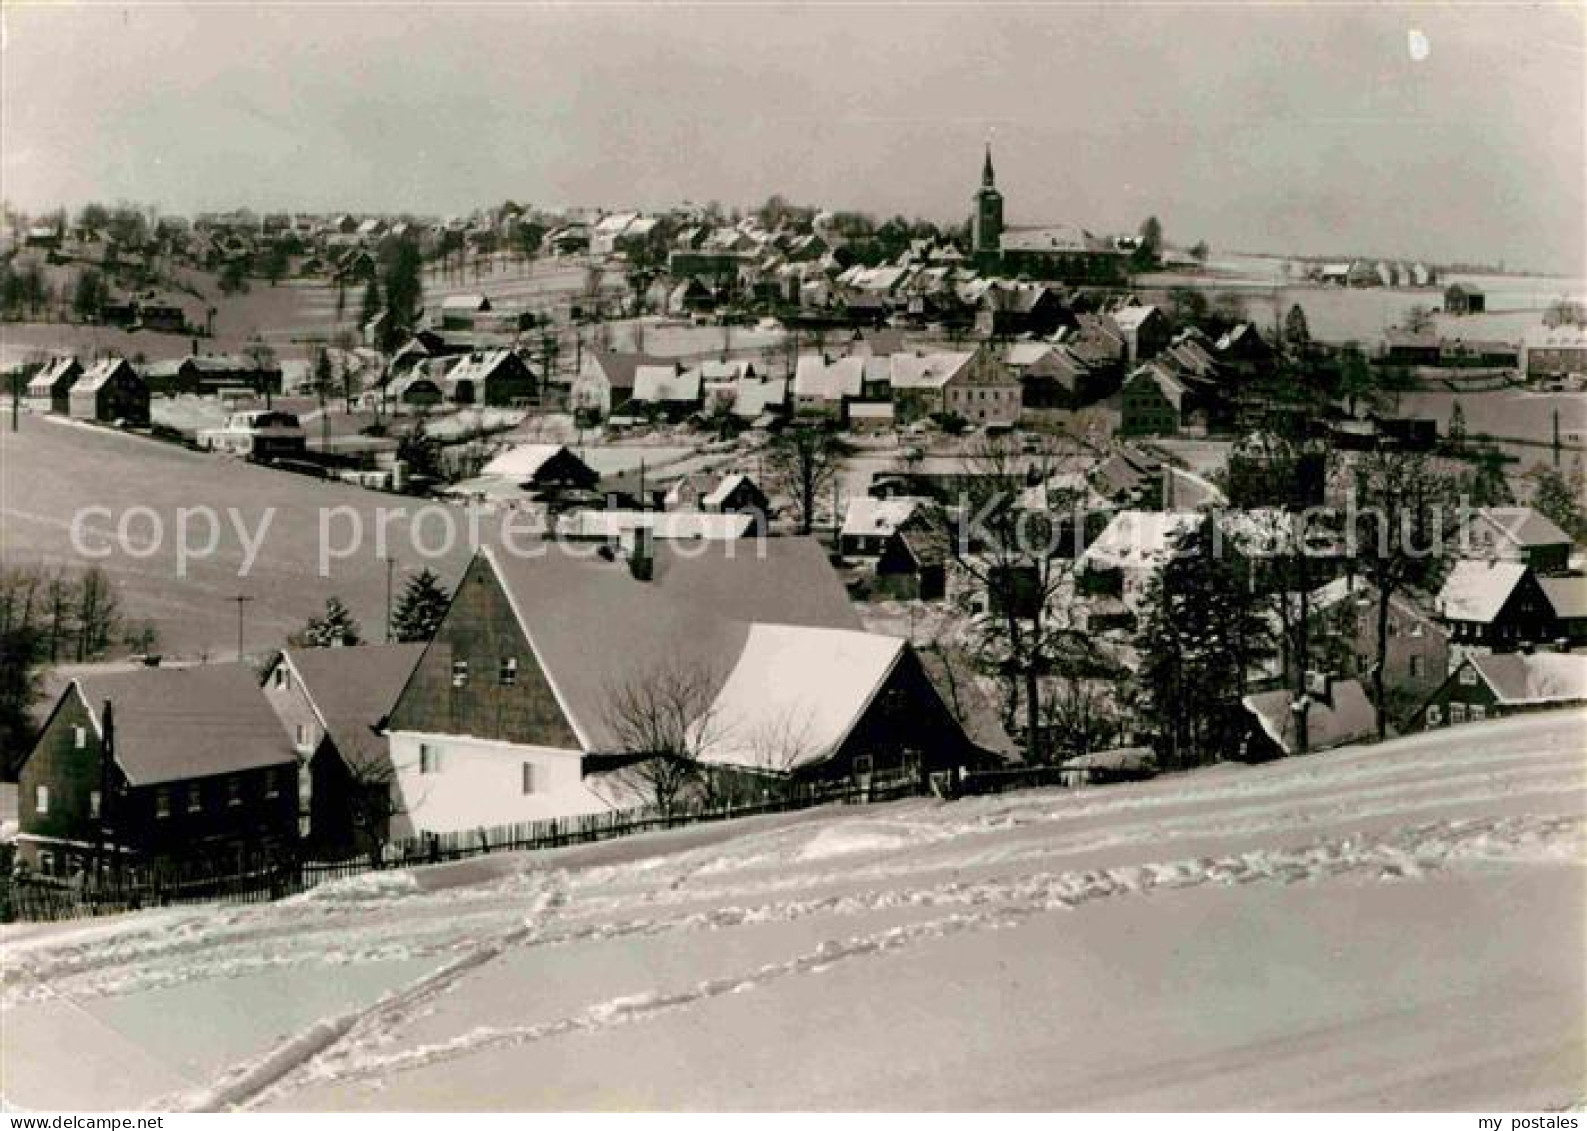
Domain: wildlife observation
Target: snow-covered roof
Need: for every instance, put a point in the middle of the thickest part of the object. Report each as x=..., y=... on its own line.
x=795, y=694
x=1545, y=677
x=523, y=461
x=100, y=373
x=662, y=384
x=1477, y=590
x=866, y=517
x=1348, y=717
x=1567, y=596
x=1129, y=318
x=817, y=378
x=1139, y=539
x=927, y=371
x=1523, y=527
x=680, y=525
x=58, y=370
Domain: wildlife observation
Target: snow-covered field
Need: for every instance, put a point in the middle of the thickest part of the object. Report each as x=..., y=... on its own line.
x=1397, y=927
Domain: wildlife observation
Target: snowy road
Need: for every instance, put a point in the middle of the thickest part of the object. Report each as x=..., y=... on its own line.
x=1399, y=926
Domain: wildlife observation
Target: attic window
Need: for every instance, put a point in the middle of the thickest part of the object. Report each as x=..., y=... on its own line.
x=79, y=737
x=162, y=802
x=95, y=803
x=1468, y=676
x=195, y=799
x=508, y=675
x=459, y=673
x=41, y=799
x=233, y=791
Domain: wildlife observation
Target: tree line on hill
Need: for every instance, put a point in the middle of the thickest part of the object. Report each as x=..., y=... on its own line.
x=48, y=617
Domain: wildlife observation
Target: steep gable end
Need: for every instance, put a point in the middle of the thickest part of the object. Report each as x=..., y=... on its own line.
x=483, y=699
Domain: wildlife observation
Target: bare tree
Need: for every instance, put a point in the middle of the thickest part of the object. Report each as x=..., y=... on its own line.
x=1017, y=555
x=802, y=462
x=1402, y=505
x=663, y=723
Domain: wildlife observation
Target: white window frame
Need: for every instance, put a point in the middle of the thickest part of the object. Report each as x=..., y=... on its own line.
x=79, y=738
x=1477, y=713
x=1457, y=713
x=1468, y=676
x=96, y=804
x=507, y=673
x=1435, y=715
x=459, y=673
x=41, y=799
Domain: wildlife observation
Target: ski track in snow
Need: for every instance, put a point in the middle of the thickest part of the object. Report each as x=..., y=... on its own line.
x=1376, y=814
x=357, y=1049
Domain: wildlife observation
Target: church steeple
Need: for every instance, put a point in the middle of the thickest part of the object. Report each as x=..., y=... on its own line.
x=986, y=218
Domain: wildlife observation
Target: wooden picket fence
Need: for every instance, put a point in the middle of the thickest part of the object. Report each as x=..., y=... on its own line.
x=272, y=877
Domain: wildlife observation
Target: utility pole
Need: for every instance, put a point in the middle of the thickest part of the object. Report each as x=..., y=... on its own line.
x=241, y=601
x=390, y=564
x=107, y=758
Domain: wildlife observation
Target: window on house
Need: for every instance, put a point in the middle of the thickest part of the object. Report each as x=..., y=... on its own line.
x=1435, y=715
x=862, y=765
x=46, y=862
x=528, y=777
x=1394, y=627
x=195, y=798
x=1416, y=667
x=272, y=783
x=1468, y=676
x=1418, y=630
x=281, y=676
x=95, y=804
x=459, y=673
x=233, y=791
x=162, y=802
x=429, y=759
x=508, y=675
x=79, y=737
x=1457, y=712
x=41, y=799
x=1478, y=712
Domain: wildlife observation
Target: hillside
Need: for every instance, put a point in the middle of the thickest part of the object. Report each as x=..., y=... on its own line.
x=54, y=469
x=1398, y=926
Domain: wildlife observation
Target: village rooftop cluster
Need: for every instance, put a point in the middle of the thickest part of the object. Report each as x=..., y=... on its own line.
x=814, y=507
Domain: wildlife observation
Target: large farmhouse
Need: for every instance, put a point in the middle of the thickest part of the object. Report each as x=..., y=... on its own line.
x=515, y=712
x=154, y=764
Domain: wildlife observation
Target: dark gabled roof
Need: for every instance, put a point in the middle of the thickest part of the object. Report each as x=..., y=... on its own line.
x=173, y=724
x=353, y=689
x=595, y=628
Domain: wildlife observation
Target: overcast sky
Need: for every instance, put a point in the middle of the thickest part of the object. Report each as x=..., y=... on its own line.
x=1302, y=129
